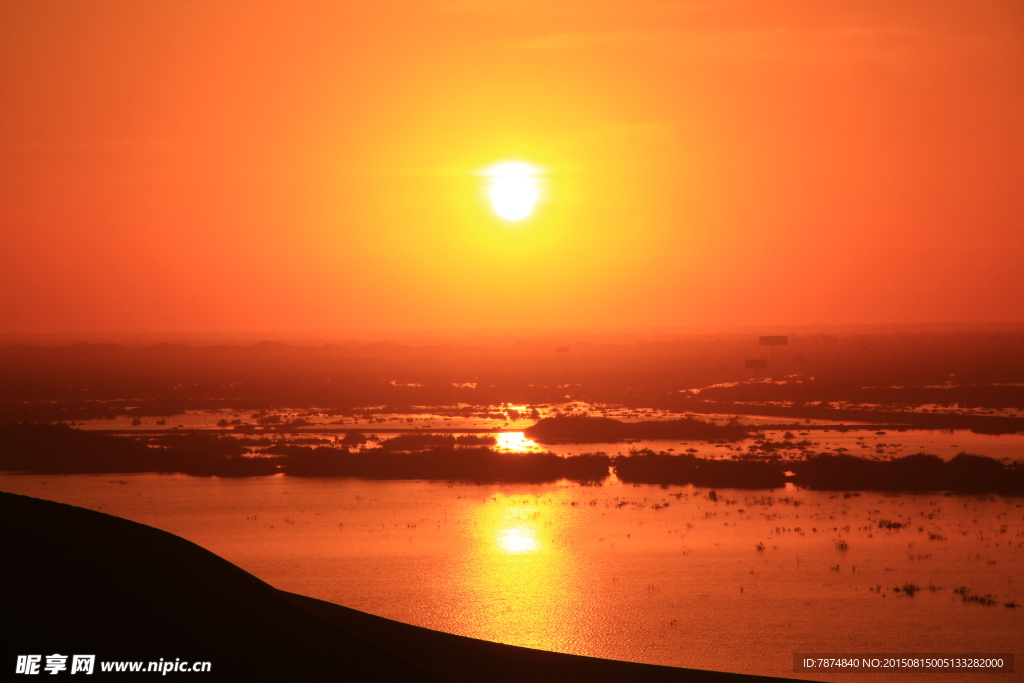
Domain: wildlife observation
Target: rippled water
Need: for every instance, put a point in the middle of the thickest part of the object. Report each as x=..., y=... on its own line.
x=642, y=573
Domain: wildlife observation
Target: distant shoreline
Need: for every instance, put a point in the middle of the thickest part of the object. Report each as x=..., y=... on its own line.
x=471, y=430
x=59, y=449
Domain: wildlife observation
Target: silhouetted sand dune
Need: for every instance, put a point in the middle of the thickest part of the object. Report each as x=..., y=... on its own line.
x=82, y=582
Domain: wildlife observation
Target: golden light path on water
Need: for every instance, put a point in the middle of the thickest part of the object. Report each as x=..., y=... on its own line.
x=520, y=539
x=522, y=576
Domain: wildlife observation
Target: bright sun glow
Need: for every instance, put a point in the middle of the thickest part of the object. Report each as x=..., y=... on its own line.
x=520, y=539
x=516, y=442
x=514, y=188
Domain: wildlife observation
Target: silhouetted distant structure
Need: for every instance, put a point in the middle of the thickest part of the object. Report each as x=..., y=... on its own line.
x=773, y=341
x=756, y=364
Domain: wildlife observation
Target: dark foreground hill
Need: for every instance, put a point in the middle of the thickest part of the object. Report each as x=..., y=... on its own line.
x=77, y=581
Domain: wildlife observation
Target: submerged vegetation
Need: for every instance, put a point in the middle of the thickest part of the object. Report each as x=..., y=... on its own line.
x=647, y=467
x=919, y=472
x=60, y=449
x=417, y=442
x=587, y=429
x=469, y=464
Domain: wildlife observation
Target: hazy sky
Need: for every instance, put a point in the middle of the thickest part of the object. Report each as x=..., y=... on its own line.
x=176, y=165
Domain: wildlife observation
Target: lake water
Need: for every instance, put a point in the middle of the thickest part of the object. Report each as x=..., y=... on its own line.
x=642, y=573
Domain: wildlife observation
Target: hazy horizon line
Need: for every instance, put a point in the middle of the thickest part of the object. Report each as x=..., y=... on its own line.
x=494, y=334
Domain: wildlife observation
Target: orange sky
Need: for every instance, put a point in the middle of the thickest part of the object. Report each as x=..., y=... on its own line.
x=184, y=165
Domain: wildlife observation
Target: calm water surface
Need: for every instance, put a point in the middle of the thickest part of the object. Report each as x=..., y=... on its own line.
x=641, y=573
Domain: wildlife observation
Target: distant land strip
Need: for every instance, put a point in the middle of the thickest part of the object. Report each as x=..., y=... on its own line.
x=59, y=449
x=370, y=429
x=13, y=410
x=588, y=429
x=982, y=424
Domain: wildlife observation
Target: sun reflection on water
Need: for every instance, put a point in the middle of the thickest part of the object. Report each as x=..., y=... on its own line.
x=516, y=442
x=518, y=540
x=522, y=576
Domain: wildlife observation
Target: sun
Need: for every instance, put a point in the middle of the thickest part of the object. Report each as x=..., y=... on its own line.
x=513, y=188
